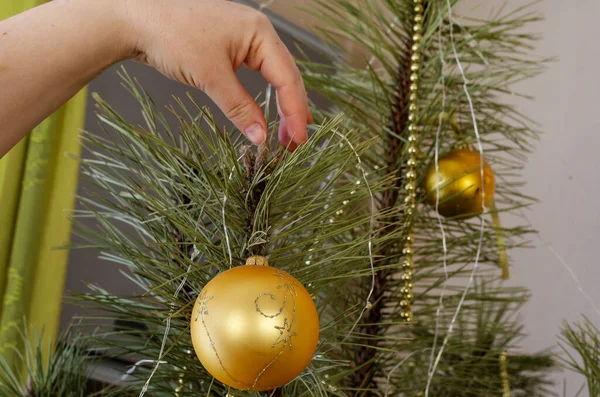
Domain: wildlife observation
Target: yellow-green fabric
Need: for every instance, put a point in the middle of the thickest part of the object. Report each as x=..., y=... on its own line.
x=51, y=266
x=37, y=190
x=27, y=230
x=8, y=8
x=11, y=171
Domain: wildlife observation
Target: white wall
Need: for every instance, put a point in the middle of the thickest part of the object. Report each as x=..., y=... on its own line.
x=564, y=173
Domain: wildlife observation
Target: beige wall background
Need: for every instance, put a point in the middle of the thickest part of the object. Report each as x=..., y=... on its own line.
x=564, y=172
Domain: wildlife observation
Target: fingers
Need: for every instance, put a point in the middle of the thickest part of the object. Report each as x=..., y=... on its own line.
x=265, y=52
x=284, y=138
x=239, y=107
x=279, y=68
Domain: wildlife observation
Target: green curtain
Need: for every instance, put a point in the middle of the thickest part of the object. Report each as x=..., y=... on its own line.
x=37, y=190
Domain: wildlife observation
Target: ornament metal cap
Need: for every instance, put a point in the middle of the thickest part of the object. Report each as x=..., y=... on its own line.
x=257, y=260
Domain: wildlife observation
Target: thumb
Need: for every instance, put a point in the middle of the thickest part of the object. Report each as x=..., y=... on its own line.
x=239, y=107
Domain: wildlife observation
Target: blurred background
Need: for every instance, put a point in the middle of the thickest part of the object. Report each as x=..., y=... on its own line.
x=562, y=173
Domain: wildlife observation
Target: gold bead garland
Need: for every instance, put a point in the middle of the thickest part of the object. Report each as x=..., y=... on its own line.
x=181, y=379
x=411, y=164
x=180, y=386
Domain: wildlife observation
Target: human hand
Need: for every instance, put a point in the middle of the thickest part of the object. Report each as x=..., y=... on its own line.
x=203, y=42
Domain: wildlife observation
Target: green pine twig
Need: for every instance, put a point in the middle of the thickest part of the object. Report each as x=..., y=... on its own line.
x=584, y=339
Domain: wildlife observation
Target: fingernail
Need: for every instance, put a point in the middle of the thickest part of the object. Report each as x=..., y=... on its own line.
x=256, y=134
x=284, y=138
x=292, y=146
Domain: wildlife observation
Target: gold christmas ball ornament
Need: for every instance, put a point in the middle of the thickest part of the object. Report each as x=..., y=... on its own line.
x=462, y=192
x=254, y=327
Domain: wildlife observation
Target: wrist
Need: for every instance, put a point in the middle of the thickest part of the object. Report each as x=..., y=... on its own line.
x=111, y=24
x=129, y=33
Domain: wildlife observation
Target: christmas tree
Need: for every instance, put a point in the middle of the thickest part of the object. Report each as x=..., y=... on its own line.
x=378, y=245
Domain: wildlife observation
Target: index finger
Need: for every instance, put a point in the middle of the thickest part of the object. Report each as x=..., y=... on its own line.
x=279, y=69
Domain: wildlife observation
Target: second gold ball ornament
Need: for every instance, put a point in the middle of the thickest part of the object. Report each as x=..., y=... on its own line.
x=254, y=327
x=462, y=192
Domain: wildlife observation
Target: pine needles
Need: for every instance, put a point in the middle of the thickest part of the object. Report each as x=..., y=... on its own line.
x=374, y=98
x=584, y=338
x=60, y=371
x=179, y=202
x=201, y=201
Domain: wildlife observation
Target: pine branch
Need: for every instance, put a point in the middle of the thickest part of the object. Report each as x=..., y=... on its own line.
x=61, y=371
x=584, y=338
x=366, y=355
x=282, y=205
x=182, y=250
x=257, y=167
x=310, y=212
x=364, y=94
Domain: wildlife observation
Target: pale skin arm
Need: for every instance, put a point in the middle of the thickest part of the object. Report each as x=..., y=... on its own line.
x=49, y=53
